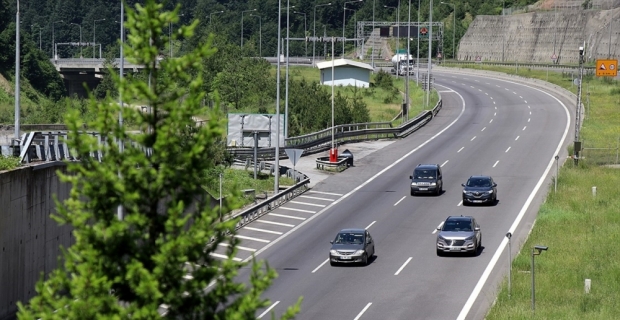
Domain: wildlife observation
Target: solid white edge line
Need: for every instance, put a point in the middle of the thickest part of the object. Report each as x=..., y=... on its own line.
x=460, y=203
x=263, y=249
x=370, y=225
x=443, y=164
x=320, y=265
x=401, y=199
x=403, y=266
x=487, y=272
x=268, y=309
x=359, y=315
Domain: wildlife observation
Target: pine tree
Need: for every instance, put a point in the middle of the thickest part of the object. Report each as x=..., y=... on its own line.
x=157, y=255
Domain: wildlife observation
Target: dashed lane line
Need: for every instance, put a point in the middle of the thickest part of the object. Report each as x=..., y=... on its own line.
x=285, y=216
x=298, y=210
x=238, y=247
x=328, y=193
x=262, y=230
x=251, y=238
x=316, y=198
x=308, y=204
x=275, y=223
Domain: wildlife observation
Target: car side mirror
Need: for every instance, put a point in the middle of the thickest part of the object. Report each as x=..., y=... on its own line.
x=410, y=177
x=494, y=184
x=438, y=228
x=331, y=241
x=477, y=229
x=462, y=184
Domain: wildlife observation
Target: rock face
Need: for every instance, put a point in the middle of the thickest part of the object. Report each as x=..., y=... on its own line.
x=536, y=36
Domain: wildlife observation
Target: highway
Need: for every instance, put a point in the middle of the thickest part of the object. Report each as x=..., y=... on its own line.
x=492, y=127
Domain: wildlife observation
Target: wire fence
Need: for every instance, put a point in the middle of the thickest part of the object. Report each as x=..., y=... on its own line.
x=602, y=155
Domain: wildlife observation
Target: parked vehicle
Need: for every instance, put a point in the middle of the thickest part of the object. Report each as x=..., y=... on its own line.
x=479, y=190
x=459, y=234
x=352, y=246
x=426, y=178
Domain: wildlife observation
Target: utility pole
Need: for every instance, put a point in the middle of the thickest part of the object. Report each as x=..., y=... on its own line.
x=430, y=51
x=17, y=61
x=577, y=143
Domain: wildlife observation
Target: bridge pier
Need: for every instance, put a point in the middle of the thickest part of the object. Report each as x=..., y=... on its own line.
x=74, y=83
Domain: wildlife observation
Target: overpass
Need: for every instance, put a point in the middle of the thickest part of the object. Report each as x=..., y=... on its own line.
x=75, y=72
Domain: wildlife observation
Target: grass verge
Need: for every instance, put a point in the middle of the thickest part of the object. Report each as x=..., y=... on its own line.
x=579, y=228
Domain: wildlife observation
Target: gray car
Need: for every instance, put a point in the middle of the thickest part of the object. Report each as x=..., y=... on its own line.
x=459, y=234
x=352, y=246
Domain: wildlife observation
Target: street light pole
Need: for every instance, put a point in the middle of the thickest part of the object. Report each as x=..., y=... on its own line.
x=212, y=13
x=453, y=26
x=17, y=73
x=242, y=12
x=417, y=63
x=305, y=29
x=94, y=25
x=119, y=210
x=430, y=52
x=288, y=20
x=406, y=111
x=32, y=25
x=314, y=29
x=79, y=25
x=277, y=155
x=260, y=34
x=344, y=22
x=54, y=40
x=535, y=252
x=394, y=32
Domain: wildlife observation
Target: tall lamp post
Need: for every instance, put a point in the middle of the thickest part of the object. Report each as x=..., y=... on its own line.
x=212, y=13
x=430, y=51
x=305, y=29
x=314, y=29
x=17, y=44
x=32, y=25
x=260, y=34
x=79, y=25
x=170, y=34
x=344, y=22
x=94, y=25
x=277, y=155
x=242, y=12
x=537, y=250
x=397, y=40
x=453, y=26
x=54, y=40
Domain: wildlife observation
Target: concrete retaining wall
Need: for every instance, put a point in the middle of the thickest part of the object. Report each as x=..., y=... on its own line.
x=532, y=37
x=29, y=238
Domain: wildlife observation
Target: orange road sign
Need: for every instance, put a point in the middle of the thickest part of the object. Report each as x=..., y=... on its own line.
x=606, y=68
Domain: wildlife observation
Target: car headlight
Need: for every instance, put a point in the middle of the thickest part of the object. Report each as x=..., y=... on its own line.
x=333, y=252
x=440, y=238
x=359, y=252
x=490, y=192
x=465, y=192
x=469, y=238
x=414, y=183
x=433, y=183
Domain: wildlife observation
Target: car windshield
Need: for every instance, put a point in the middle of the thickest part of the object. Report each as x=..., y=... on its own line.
x=457, y=225
x=479, y=182
x=349, y=238
x=424, y=174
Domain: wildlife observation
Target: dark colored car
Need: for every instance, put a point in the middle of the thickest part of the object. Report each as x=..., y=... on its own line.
x=427, y=178
x=479, y=190
x=459, y=234
x=352, y=246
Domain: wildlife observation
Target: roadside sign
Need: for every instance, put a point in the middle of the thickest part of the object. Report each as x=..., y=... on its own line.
x=554, y=58
x=423, y=31
x=606, y=68
x=478, y=59
x=438, y=55
x=294, y=155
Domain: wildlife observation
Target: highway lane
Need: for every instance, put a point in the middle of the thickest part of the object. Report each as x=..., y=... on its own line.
x=483, y=129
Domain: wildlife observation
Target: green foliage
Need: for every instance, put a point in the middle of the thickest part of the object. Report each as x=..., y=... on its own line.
x=107, y=86
x=127, y=268
x=384, y=80
x=8, y=163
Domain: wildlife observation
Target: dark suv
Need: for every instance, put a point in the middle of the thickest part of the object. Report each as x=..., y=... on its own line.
x=426, y=178
x=479, y=189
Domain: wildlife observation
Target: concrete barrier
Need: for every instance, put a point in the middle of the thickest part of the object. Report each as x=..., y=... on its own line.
x=30, y=239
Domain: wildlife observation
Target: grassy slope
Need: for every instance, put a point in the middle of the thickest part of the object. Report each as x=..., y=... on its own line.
x=580, y=229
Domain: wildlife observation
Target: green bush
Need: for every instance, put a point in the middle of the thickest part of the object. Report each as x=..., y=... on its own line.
x=384, y=80
x=8, y=163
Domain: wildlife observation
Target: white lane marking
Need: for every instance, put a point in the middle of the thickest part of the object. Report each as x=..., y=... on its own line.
x=262, y=230
x=298, y=210
x=286, y=216
x=507, y=89
x=473, y=87
x=507, y=149
x=496, y=108
x=316, y=198
x=497, y=85
x=250, y=238
x=443, y=164
x=530, y=113
x=401, y=199
x=517, y=138
x=522, y=98
x=472, y=139
x=483, y=129
x=438, y=227
x=308, y=204
x=370, y=225
x=500, y=250
x=528, y=120
x=238, y=247
x=480, y=90
x=514, y=92
x=403, y=266
x=524, y=128
x=528, y=106
x=491, y=98
x=460, y=149
x=494, y=103
x=496, y=162
x=491, y=121
x=460, y=203
x=320, y=265
x=476, y=80
x=328, y=193
x=263, y=249
x=359, y=315
x=495, y=113
x=275, y=223
x=525, y=101
x=221, y=256
x=268, y=309
x=487, y=83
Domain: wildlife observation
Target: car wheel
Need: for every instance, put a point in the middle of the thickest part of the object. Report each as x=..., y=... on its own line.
x=331, y=263
x=365, y=259
x=465, y=204
x=439, y=253
x=412, y=193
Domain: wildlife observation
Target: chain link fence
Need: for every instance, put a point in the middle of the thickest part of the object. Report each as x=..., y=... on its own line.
x=600, y=154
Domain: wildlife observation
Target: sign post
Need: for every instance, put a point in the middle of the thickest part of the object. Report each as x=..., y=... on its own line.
x=294, y=155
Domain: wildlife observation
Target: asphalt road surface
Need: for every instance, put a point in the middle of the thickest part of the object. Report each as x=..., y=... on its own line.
x=487, y=126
